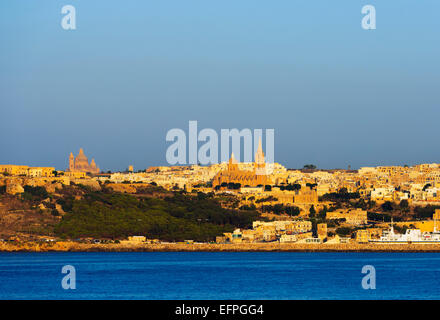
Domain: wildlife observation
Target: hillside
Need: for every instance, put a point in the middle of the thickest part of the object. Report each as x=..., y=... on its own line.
x=78, y=211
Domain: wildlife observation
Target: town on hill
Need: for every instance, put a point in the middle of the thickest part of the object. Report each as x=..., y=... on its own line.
x=226, y=203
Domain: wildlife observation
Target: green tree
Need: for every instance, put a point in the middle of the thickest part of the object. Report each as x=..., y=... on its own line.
x=343, y=231
x=312, y=211
x=403, y=204
x=387, y=206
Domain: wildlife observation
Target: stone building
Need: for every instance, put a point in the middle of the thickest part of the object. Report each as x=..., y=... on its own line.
x=353, y=217
x=362, y=236
x=81, y=163
x=305, y=195
x=18, y=170
x=322, y=230
x=257, y=177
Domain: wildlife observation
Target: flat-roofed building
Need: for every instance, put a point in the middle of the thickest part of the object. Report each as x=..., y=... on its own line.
x=362, y=236
x=321, y=230
x=14, y=170
x=354, y=217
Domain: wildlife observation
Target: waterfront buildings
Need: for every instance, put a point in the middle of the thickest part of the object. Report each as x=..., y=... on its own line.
x=283, y=231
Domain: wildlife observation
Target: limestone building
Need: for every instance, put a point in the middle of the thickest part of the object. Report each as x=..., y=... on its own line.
x=305, y=195
x=233, y=174
x=81, y=163
x=353, y=217
x=17, y=170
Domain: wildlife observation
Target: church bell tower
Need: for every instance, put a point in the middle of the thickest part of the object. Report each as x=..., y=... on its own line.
x=71, y=162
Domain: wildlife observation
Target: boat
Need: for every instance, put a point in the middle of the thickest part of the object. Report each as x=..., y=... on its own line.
x=410, y=236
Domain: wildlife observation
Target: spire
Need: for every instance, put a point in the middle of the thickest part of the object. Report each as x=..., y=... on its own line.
x=81, y=151
x=260, y=147
x=259, y=155
x=232, y=165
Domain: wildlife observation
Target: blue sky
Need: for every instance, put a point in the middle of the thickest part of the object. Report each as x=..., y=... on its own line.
x=336, y=94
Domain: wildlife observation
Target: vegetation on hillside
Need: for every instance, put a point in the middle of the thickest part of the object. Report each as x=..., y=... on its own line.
x=175, y=218
x=342, y=195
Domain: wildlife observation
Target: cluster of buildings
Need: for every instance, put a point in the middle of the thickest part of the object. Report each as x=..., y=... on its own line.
x=26, y=171
x=15, y=177
x=79, y=167
x=353, y=217
x=419, y=183
x=284, y=231
x=254, y=185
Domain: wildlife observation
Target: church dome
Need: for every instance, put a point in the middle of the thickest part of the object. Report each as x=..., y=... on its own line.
x=81, y=156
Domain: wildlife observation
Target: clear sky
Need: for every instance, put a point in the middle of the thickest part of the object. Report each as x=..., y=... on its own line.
x=336, y=94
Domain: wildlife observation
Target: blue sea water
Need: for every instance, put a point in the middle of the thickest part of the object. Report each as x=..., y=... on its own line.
x=203, y=275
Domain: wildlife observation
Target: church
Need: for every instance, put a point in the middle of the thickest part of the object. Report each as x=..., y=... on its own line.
x=81, y=163
x=257, y=177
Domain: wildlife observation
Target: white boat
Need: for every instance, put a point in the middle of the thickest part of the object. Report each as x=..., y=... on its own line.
x=410, y=236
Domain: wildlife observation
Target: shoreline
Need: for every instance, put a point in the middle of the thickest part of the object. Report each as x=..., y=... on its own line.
x=208, y=247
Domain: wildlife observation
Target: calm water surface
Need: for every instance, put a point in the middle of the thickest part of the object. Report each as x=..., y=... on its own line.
x=201, y=275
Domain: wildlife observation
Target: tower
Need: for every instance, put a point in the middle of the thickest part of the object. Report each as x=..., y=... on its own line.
x=71, y=162
x=93, y=164
x=232, y=165
x=260, y=165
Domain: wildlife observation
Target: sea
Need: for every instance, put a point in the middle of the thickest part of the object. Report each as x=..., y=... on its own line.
x=219, y=275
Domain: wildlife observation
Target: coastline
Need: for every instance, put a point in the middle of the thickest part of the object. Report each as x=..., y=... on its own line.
x=214, y=247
